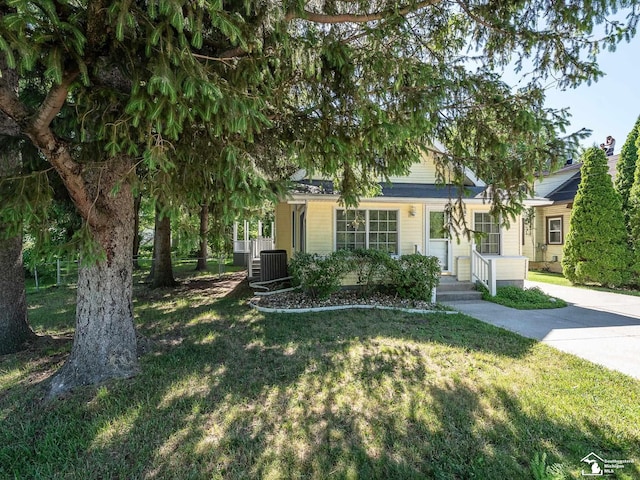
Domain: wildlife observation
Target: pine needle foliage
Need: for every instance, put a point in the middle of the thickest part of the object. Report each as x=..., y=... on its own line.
x=634, y=217
x=626, y=167
x=352, y=90
x=596, y=249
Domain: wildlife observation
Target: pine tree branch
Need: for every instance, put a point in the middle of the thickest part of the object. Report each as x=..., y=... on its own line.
x=38, y=128
x=52, y=104
x=357, y=18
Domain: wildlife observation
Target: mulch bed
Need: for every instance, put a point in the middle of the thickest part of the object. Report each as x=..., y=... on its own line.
x=298, y=300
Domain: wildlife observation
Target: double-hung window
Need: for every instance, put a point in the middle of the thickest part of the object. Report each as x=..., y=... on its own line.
x=489, y=242
x=375, y=229
x=554, y=230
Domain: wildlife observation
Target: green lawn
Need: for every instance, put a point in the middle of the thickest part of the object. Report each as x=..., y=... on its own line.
x=558, y=279
x=549, y=277
x=231, y=393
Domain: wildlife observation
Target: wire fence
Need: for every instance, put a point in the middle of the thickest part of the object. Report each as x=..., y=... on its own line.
x=64, y=272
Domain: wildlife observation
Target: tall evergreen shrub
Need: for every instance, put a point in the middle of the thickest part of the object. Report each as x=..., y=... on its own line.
x=633, y=222
x=596, y=248
x=626, y=168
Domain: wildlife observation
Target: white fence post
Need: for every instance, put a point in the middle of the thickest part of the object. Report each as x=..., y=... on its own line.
x=492, y=277
x=58, y=276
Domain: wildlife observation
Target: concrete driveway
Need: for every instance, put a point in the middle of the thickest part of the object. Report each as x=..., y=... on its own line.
x=601, y=327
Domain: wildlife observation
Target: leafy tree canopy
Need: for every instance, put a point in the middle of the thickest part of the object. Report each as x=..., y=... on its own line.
x=352, y=89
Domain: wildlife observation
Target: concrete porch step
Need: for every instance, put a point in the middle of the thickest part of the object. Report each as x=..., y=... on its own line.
x=456, y=286
x=457, y=296
x=450, y=290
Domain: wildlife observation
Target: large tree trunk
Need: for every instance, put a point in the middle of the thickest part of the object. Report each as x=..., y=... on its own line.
x=104, y=345
x=162, y=266
x=204, y=228
x=14, y=329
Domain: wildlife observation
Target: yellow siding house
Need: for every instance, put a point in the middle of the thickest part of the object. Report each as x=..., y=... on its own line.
x=408, y=217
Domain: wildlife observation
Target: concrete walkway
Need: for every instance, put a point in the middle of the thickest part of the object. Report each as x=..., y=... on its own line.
x=601, y=327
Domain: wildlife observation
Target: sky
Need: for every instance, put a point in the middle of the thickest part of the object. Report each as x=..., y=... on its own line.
x=610, y=106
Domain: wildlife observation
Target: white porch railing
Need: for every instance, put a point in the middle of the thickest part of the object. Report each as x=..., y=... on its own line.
x=260, y=244
x=483, y=270
x=241, y=246
x=255, y=247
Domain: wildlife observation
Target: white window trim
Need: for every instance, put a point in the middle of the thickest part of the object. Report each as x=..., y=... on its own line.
x=561, y=230
x=500, y=232
x=366, y=224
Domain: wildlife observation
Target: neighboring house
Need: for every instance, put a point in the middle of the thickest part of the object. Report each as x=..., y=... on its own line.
x=544, y=230
x=408, y=217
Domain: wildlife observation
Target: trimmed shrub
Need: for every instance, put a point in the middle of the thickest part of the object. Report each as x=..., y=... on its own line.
x=633, y=224
x=412, y=276
x=596, y=249
x=415, y=276
x=626, y=167
x=372, y=268
x=319, y=276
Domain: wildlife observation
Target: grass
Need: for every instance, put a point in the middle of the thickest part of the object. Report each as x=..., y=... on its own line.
x=549, y=277
x=523, y=299
x=559, y=279
x=231, y=393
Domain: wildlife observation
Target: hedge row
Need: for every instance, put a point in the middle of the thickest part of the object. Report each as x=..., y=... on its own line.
x=410, y=276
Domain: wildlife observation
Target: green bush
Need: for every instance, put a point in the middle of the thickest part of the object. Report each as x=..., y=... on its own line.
x=412, y=276
x=523, y=299
x=319, y=276
x=415, y=276
x=372, y=268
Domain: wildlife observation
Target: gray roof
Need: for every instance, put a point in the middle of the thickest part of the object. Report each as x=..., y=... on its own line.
x=396, y=190
x=567, y=190
x=421, y=190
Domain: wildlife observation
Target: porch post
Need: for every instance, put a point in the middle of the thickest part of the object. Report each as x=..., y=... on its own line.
x=246, y=231
x=259, y=228
x=472, y=261
x=235, y=232
x=492, y=277
x=273, y=230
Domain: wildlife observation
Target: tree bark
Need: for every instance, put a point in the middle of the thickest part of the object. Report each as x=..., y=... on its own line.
x=136, y=230
x=14, y=329
x=104, y=345
x=162, y=266
x=204, y=228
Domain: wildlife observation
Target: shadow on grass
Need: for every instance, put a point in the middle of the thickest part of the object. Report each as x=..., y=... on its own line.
x=232, y=393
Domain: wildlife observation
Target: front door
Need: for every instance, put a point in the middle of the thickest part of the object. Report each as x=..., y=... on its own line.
x=439, y=242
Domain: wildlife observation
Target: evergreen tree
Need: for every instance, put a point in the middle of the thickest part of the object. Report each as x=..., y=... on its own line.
x=596, y=248
x=634, y=218
x=625, y=169
x=352, y=89
x=14, y=327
